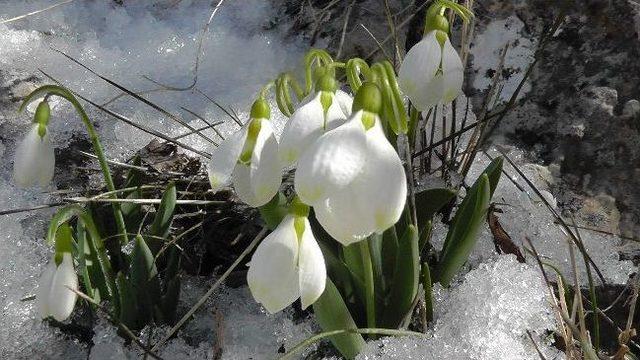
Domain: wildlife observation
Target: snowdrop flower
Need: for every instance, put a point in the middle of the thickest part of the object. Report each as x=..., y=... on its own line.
x=34, y=159
x=288, y=265
x=249, y=158
x=323, y=110
x=53, y=296
x=352, y=175
x=431, y=72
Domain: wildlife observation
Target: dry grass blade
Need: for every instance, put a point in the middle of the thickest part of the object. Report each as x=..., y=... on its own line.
x=536, y=346
x=135, y=96
x=143, y=201
x=380, y=47
x=344, y=28
x=35, y=12
x=567, y=230
x=130, y=122
x=404, y=23
x=37, y=207
x=233, y=116
x=218, y=282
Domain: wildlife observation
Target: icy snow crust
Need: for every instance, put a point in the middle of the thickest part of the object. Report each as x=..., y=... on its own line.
x=483, y=316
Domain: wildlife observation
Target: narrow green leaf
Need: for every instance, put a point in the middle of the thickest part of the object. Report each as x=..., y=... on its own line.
x=144, y=278
x=493, y=172
x=463, y=234
x=375, y=250
x=389, y=254
x=129, y=312
x=425, y=235
x=428, y=290
x=404, y=286
x=430, y=201
x=332, y=314
x=164, y=214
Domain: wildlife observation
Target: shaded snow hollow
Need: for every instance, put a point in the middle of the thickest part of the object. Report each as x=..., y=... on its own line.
x=483, y=316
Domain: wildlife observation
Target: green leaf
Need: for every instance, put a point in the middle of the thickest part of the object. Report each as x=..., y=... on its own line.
x=164, y=214
x=429, y=202
x=83, y=254
x=332, y=314
x=274, y=211
x=464, y=231
x=144, y=279
x=428, y=290
x=375, y=252
x=61, y=216
x=493, y=172
x=404, y=286
x=129, y=312
x=389, y=253
x=425, y=235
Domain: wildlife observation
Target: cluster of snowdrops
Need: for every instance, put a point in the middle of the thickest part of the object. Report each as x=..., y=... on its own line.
x=344, y=237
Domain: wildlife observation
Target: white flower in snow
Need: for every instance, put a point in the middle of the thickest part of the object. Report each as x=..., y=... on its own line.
x=287, y=265
x=34, y=160
x=249, y=158
x=53, y=296
x=311, y=120
x=431, y=73
x=353, y=177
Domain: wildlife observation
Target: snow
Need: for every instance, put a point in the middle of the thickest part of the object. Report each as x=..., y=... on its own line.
x=487, y=47
x=524, y=215
x=484, y=317
x=159, y=40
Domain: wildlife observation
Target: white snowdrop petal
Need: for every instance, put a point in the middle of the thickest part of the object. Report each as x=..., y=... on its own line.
x=313, y=272
x=332, y=162
x=266, y=173
x=335, y=116
x=34, y=159
x=273, y=270
x=304, y=127
x=224, y=159
x=452, y=73
x=345, y=101
x=418, y=69
x=44, y=288
x=340, y=216
x=61, y=299
x=383, y=182
x=242, y=184
x=373, y=201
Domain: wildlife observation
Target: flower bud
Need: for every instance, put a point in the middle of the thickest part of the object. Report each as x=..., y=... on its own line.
x=368, y=98
x=252, y=136
x=260, y=109
x=43, y=111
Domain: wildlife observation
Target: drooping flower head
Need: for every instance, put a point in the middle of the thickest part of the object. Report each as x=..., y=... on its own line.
x=432, y=72
x=352, y=175
x=34, y=160
x=55, y=296
x=288, y=264
x=322, y=110
x=249, y=159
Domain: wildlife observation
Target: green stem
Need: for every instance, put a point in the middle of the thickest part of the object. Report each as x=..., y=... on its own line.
x=48, y=90
x=367, y=267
